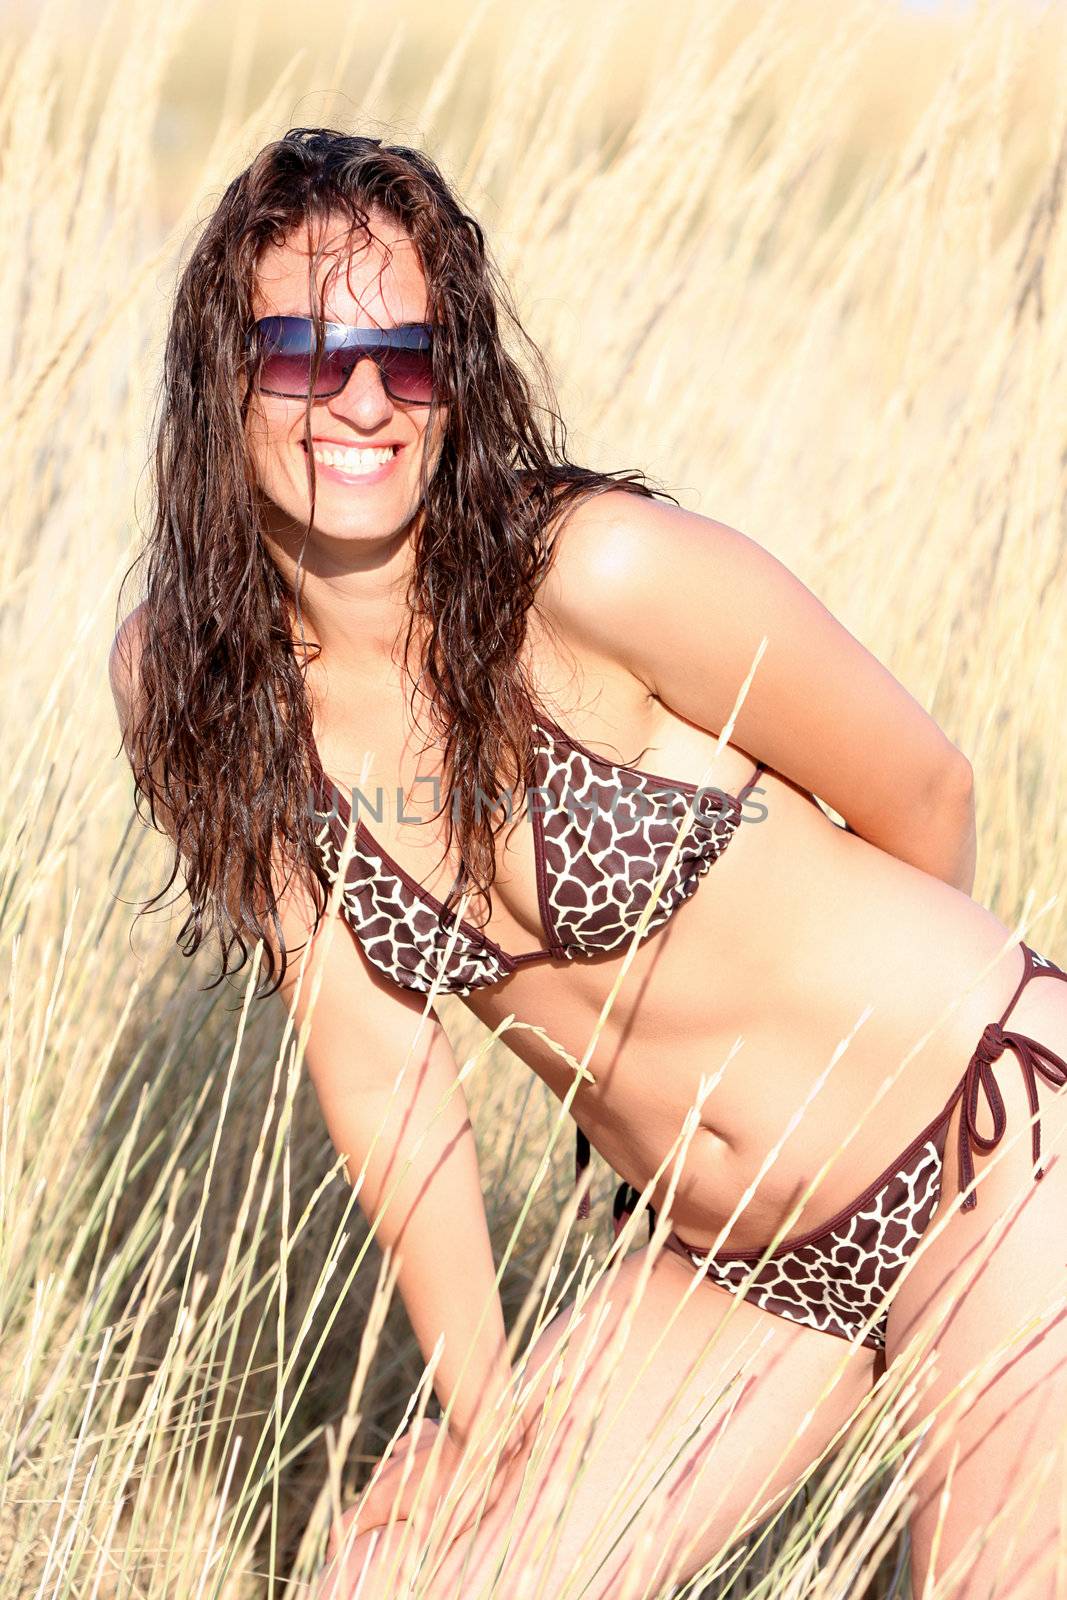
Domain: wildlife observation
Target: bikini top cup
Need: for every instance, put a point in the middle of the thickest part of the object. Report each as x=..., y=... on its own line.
x=602, y=832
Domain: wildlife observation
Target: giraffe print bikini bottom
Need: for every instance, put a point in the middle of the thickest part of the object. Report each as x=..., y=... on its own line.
x=837, y=1277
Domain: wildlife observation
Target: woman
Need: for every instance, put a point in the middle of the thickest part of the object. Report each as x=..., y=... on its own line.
x=371, y=569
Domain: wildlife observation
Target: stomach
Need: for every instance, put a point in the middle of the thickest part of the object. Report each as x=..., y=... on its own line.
x=812, y=1005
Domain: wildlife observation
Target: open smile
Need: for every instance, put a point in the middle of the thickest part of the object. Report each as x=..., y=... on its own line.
x=353, y=464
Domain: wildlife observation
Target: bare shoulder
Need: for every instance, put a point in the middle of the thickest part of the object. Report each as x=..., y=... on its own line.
x=619, y=535
x=619, y=561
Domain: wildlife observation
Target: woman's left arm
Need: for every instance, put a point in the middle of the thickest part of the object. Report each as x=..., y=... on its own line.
x=684, y=602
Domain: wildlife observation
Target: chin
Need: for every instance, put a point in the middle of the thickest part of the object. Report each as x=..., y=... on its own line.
x=369, y=525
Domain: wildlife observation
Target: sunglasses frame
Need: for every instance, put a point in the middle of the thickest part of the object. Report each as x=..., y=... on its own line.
x=363, y=342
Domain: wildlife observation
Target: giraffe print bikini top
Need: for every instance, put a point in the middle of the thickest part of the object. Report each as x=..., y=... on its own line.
x=602, y=831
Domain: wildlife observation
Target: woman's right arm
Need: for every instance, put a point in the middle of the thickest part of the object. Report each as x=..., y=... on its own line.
x=389, y=1091
x=387, y=1084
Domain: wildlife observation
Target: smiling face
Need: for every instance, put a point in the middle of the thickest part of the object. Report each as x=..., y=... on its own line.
x=367, y=447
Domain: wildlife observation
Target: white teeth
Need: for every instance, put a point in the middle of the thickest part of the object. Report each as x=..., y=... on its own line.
x=352, y=460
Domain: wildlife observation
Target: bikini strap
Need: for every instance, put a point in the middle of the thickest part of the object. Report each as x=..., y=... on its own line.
x=626, y=1196
x=1036, y=1060
x=581, y=1161
x=1034, y=966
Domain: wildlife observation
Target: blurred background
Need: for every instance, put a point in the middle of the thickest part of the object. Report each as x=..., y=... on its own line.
x=804, y=264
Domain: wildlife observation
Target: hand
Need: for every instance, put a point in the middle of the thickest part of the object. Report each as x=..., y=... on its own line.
x=412, y=1454
x=374, y=1506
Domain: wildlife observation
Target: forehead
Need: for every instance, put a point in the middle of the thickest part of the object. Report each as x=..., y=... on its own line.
x=369, y=282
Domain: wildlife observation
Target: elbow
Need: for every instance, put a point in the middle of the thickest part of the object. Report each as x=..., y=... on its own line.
x=955, y=859
x=947, y=800
x=954, y=782
x=936, y=831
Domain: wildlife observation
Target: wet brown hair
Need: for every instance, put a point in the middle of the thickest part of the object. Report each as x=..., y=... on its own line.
x=223, y=735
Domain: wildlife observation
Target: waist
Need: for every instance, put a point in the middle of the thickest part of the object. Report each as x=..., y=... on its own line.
x=802, y=1120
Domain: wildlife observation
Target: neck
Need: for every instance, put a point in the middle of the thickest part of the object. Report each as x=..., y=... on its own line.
x=346, y=596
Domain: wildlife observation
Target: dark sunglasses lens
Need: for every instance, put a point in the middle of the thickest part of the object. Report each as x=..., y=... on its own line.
x=407, y=374
x=282, y=373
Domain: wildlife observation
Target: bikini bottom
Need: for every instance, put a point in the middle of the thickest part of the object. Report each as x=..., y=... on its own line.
x=837, y=1276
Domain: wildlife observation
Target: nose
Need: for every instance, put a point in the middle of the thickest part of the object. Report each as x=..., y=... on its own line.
x=363, y=398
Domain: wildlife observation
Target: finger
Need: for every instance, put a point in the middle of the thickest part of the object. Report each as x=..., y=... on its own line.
x=422, y=1432
x=339, y=1528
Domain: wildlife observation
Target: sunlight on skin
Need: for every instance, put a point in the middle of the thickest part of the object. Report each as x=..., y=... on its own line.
x=356, y=560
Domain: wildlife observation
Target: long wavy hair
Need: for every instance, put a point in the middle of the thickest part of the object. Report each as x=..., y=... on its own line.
x=222, y=736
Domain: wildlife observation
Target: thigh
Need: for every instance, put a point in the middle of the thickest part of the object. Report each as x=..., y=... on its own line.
x=666, y=1416
x=982, y=1302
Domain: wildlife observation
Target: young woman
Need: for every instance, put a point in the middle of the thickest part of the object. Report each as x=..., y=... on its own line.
x=373, y=569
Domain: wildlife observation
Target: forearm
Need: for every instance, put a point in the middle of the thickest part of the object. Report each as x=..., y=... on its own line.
x=963, y=862
x=433, y=1216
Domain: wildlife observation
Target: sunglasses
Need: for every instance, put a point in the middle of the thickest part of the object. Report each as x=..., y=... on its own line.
x=286, y=349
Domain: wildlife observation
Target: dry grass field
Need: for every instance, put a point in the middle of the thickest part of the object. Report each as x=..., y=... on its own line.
x=819, y=251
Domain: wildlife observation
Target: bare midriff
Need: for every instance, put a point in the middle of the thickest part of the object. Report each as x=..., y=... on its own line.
x=801, y=938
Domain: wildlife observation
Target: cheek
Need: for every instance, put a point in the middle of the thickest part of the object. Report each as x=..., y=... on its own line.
x=267, y=438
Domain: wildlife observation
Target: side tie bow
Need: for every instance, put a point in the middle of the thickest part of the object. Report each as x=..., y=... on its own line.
x=1034, y=1057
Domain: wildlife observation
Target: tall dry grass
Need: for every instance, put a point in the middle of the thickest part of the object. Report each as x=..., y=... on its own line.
x=807, y=266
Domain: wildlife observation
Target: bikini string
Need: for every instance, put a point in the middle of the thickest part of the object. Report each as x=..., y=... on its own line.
x=581, y=1161
x=1034, y=1057
x=626, y=1196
